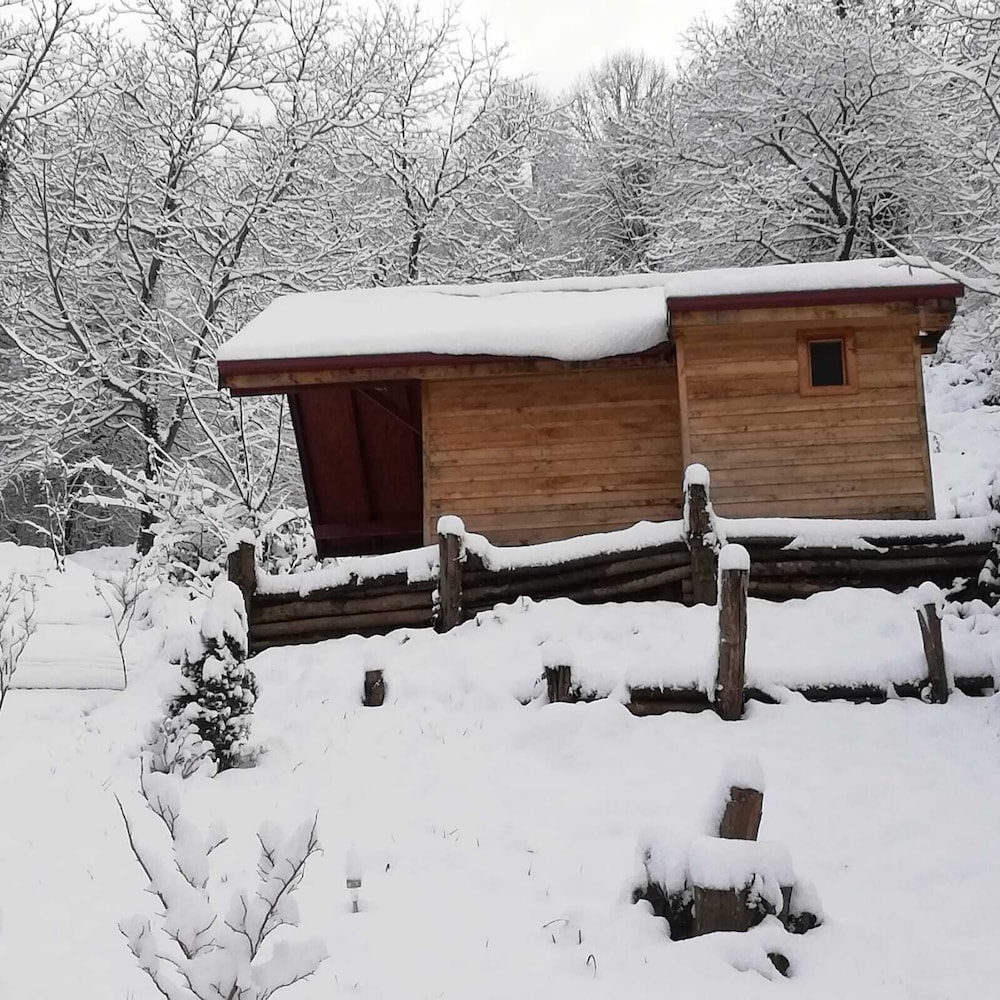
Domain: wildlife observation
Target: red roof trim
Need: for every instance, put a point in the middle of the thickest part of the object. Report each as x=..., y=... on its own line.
x=827, y=297
x=265, y=366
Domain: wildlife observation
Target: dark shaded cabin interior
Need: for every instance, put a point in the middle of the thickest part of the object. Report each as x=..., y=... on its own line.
x=369, y=437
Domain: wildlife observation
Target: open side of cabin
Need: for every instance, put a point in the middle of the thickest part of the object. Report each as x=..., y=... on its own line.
x=803, y=402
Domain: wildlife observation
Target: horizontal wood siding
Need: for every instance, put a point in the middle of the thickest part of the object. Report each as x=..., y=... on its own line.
x=533, y=457
x=774, y=451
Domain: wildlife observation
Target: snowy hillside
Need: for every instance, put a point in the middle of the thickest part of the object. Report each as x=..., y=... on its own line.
x=498, y=839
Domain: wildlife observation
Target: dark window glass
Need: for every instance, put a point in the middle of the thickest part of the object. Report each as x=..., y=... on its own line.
x=826, y=362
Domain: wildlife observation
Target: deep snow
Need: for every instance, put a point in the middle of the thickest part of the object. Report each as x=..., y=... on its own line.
x=498, y=842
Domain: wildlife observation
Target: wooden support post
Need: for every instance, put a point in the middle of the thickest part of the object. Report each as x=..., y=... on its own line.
x=451, y=545
x=241, y=566
x=559, y=682
x=741, y=818
x=700, y=537
x=734, y=575
x=930, y=633
x=374, y=689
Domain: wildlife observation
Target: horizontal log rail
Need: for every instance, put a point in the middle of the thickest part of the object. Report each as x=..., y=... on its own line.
x=676, y=561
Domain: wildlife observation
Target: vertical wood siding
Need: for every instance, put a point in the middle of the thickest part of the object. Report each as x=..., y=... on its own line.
x=533, y=457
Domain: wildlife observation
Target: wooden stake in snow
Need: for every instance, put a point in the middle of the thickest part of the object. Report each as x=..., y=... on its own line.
x=353, y=871
x=734, y=576
x=698, y=526
x=559, y=682
x=928, y=596
x=374, y=689
x=451, y=536
x=241, y=566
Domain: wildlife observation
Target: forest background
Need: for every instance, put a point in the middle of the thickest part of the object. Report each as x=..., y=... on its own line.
x=158, y=187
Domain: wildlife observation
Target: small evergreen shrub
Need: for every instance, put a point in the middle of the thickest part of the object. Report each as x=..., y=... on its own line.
x=209, y=720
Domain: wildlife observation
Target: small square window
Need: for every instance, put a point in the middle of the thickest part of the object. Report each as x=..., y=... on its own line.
x=827, y=363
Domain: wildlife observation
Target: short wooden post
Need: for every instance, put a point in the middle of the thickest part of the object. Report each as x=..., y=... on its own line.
x=700, y=537
x=741, y=817
x=451, y=537
x=734, y=575
x=241, y=566
x=559, y=682
x=374, y=689
x=930, y=632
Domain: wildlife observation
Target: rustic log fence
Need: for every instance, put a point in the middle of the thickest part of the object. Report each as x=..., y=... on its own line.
x=463, y=575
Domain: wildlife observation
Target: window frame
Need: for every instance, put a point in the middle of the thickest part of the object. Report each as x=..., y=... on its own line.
x=850, y=384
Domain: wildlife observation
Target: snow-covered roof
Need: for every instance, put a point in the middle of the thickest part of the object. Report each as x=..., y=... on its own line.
x=569, y=319
x=571, y=325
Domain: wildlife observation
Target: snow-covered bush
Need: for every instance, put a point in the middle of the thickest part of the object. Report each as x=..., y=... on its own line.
x=193, y=519
x=120, y=592
x=209, y=720
x=286, y=542
x=17, y=623
x=216, y=936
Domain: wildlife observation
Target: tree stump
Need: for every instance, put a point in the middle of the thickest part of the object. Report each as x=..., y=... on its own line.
x=721, y=910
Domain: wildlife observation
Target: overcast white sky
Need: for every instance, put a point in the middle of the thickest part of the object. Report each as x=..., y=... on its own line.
x=558, y=40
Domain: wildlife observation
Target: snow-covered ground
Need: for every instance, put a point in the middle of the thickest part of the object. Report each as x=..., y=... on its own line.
x=498, y=837
x=499, y=842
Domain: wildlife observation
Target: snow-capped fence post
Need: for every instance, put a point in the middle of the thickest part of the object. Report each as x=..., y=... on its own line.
x=451, y=548
x=241, y=567
x=734, y=579
x=698, y=529
x=929, y=616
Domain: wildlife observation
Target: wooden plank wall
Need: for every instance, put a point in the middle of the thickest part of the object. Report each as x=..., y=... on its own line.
x=773, y=451
x=528, y=458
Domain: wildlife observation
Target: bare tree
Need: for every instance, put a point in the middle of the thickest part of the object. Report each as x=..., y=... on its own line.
x=789, y=139
x=959, y=223
x=17, y=625
x=166, y=207
x=609, y=199
x=35, y=40
x=449, y=156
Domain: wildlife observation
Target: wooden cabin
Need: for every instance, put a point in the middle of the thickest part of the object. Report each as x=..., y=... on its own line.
x=540, y=410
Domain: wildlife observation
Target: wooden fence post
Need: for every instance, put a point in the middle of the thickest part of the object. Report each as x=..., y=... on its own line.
x=742, y=814
x=698, y=528
x=374, y=694
x=930, y=632
x=559, y=683
x=241, y=567
x=734, y=575
x=451, y=549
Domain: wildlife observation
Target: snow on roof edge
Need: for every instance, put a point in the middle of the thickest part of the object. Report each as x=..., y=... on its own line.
x=568, y=319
